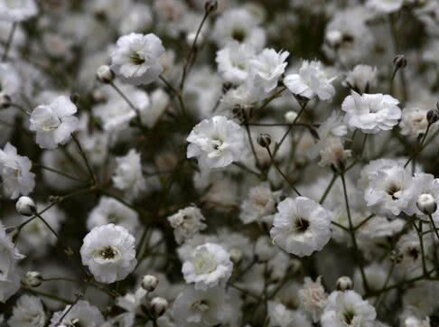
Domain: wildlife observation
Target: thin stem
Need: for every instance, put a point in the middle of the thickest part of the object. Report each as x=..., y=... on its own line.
x=9, y=41
x=128, y=101
x=328, y=189
x=47, y=225
x=352, y=234
x=421, y=146
x=421, y=242
x=56, y=171
x=84, y=156
x=291, y=184
x=386, y=282
x=192, y=51
x=434, y=226
x=244, y=167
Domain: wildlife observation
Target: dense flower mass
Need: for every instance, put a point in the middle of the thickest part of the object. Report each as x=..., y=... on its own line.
x=207, y=163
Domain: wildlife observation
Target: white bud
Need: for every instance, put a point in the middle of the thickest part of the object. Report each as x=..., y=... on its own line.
x=33, y=279
x=344, y=283
x=290, y=116
x=149, y=283
x=5, y=100
x=235, y=255
x=26, y=206
x=426, y=204
x=334, y=38
x=105, y=74
x=159, y=305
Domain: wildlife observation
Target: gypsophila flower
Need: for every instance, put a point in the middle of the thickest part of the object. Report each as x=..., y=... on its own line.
x=208, y=266
x=301, y=226
x=186, y=223
x=281, y=316
x=78, y=314
x=9, y=255
x=15, y=172
x=371, y=113
x=260, y=204
x=385, y=6
x=217, y=142
x=361, y=78
x=348, y=309
x=313, y=298
x=109, y=252
x=234, y=62
x=28, y=312
x=312, y=80
x=136, y=58
x=267, y=68
x=128, y=175
x=111, y=211
x=17, y=10
x=54, y=123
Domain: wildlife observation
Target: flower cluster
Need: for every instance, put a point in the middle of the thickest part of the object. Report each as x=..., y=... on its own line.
x=206, y=163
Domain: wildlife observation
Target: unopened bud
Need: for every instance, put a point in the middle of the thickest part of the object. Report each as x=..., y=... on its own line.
x=211, y=5
x=33, y=279
x=426, y=203
x=235, y=255
x=5, y=100
x=264, y=140
x=432, y=116
x=104, y=74
x=334, y=38
x=344, y=283
x=399, y=61
x=149, y=283
x=25, y=206
x=290, y=116
x=159, y=305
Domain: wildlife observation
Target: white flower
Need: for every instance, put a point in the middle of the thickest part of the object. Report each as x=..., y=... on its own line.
x=209, y=265
x=15, y=172
x=54, y=123
x=371, y=113
x=9, y=255
x=280, y=316
x=234, y=62
x=238, y=25
x=136, y=59
x=361, y=78
x=17, y=10
x=10, y=80
x=128, y=175
x=112, y=211
x=301, y=226
x=267, y=68
x=201, y=307
x=109, y=252
x=186, y=223
x=80, y=314
x=159, y=102
x=28, y=312
x=385, y=6
x=313, y=298
x=260, y=204
x=311, y=80
x=388, y=191
x=217, y=142
x=348, y=309
x=414, y=120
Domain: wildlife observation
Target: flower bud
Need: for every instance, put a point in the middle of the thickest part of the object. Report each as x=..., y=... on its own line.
x=426, y=203
x=235, y=255
x=33, y=279
x=290, y=116
x=104, y=74
x=344, y=283
x=264, y=140
x=5, y=100
x=25, y=206
x=432, y=116
x=334, y=38
x=399, y=61
x=211, y=5
x=149, y=283
x=159, y=305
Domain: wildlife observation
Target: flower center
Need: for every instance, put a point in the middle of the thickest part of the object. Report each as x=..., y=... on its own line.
x=348, y=316
x=51, y=124
x=136, y=59
x=238, y=34
x=201, y=305
x=204, y=263
x=301, y=225
x=393, y=190
x=108, y=252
